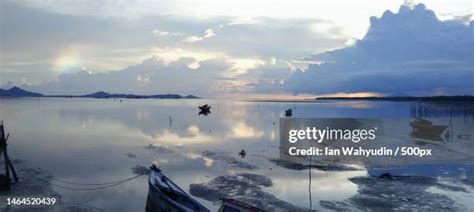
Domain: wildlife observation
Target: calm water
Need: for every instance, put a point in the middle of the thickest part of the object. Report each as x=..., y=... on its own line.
x=100, y=140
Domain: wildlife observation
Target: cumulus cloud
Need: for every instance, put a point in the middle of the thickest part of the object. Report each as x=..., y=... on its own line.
x=242, y=20
x=41, y=45
x=152, y=76
x=207, y=34
x=408, y=53
x=271, y=37
x=264, y=77
x=161, y=33
x=33, y=40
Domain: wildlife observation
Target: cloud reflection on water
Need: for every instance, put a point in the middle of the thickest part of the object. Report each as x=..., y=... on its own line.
x=90, y=138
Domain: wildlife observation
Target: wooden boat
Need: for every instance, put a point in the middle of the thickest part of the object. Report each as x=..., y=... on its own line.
x=164, y=195
x=289, y=112
x=204, y=109
x=232, y=205
x=425, y=130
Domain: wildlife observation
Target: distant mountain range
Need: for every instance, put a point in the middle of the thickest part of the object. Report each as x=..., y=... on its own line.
x=18, y=92
x=102, y=94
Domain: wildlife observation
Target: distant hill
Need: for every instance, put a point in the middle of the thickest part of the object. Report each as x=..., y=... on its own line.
x=18, y=92
x=191, y=97
x=102, y=94
x=406, y=98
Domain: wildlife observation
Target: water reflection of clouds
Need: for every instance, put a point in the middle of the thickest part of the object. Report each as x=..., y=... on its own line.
x=194, y=156
x=355, y=104
x=161, y=161
x=143, y=114
x=232, y=121
x=325, y=186
x=272, y=135
x=243, y=131
x=95, y=135
x=194, y=136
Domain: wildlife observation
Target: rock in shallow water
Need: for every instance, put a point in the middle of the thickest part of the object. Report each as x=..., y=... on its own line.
x=397, y=193
x=244, y=187
x=257, y=179
x=141, y=170
x=158, y=149
x=316, y=165
x=225, y=158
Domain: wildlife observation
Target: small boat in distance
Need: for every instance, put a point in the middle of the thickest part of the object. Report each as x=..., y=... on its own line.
x=289, y=112
x=204, y=109
x=165, y=195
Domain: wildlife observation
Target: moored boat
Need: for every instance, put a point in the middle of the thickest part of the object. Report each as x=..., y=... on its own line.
x=233, y=205
x=425, y=130
x=204, y=109
x=165, y=195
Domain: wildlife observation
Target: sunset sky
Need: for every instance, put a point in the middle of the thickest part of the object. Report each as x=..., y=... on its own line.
x=238, y=48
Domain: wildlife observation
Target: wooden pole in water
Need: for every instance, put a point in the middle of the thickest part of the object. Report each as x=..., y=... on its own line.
x=8, y=163
x=3, y=147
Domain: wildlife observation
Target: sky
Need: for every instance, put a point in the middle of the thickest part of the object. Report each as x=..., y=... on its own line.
x=238, y=49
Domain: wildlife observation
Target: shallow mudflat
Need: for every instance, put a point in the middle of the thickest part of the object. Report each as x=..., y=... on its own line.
x=405, y=193
x=91, y=141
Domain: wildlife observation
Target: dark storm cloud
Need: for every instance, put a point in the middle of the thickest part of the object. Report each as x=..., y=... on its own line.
x=408, y=53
